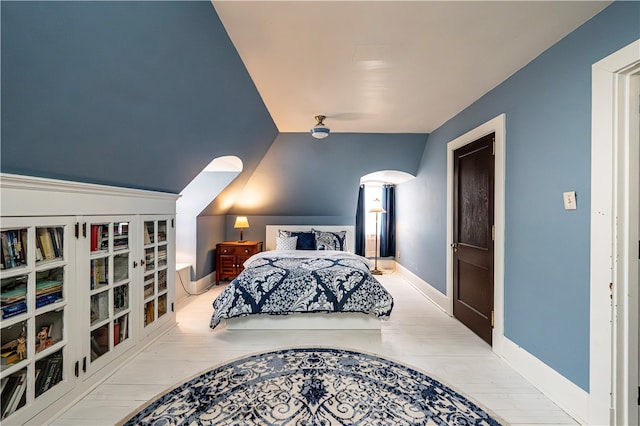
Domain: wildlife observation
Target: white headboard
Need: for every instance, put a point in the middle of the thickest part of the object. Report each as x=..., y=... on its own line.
x=272, y=233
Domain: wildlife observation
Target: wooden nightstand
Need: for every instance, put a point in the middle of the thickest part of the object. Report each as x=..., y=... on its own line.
x=230, y=255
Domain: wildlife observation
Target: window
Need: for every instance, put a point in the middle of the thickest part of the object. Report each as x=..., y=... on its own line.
x=372, y=191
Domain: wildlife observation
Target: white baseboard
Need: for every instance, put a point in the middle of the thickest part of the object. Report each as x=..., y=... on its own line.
x=183, y=280
x=203, y=283
x=440, y=300
x=564, y=393
x=184, y=285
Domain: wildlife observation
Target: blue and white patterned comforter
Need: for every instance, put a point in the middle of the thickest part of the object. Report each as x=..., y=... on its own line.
x=286, y=282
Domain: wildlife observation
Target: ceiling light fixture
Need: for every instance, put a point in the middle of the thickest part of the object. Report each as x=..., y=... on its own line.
x=320, y=131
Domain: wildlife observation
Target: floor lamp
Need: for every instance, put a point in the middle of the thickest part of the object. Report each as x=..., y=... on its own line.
x=377, y=209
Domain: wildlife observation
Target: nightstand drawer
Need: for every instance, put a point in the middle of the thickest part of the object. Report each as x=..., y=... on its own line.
x=238, y=250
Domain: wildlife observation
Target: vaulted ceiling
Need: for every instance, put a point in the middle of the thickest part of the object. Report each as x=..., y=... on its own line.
x=388, y=66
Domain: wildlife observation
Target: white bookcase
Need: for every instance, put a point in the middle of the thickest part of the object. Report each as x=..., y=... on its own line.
x=36, y=282
x=84, y=282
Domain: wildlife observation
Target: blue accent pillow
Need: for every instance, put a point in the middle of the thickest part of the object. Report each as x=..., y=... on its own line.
x=306, y=240
x=326, y=240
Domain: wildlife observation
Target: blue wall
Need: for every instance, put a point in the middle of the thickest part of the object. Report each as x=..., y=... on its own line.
x=302, y=180
x=303, y=176
x=548, y=132
x=134, y=94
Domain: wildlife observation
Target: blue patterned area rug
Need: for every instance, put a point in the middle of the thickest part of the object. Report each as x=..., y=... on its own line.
x=312, y=387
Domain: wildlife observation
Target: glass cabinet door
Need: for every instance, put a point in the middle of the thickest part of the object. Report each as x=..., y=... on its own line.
x=156, y=255
x=109, y=287
x=36, y=358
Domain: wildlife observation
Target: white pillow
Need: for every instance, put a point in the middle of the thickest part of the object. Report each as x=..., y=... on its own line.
x=286, y=243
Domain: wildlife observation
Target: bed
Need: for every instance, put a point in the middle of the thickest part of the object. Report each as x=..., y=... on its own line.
x=285, y=287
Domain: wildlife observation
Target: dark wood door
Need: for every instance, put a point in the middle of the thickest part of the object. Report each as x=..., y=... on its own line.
x=473, y=235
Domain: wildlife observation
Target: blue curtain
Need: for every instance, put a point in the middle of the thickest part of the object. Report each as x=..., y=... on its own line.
x=388, y=222
x=360, y=239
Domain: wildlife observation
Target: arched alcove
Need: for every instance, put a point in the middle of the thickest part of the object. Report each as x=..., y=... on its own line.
x=197, y=195
x=391, y=177
x=373, y=183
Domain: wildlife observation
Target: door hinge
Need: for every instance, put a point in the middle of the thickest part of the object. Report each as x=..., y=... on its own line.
x=492, y=318
x=493, y=152
x=493, y=232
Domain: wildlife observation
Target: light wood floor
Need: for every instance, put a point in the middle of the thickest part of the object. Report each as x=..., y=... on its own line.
x=418, y=334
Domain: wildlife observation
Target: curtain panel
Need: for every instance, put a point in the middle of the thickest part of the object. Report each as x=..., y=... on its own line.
x=388, y=222
x=360, y=218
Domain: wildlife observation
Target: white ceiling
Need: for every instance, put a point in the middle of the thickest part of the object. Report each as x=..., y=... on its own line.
x=388, y=66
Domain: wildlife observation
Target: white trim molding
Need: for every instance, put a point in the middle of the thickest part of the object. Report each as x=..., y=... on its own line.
x=426, y=289
x=612, y=218
x=567, y=395
x=496, y=125
x=23, y=195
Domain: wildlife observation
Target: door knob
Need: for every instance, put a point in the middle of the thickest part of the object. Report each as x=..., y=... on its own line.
x=454, y=246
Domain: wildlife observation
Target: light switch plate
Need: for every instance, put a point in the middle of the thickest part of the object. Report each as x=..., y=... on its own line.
x=569, y=200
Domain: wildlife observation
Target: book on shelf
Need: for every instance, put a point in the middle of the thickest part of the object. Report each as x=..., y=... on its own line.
x=12, y=294
x=147, y=235
x=9, y=357
x=97, y=349
x=116, y=333
x=14, y=309
x=124, y=330
x=48, y=299
x=19, y=395
x=99, y=237
x=162, y=305
x=50, y=373
x=149, y=313
x=55, y=242
x=98, y=273
x=46, y=243
x=120, y=297
x=99, y=306
x=48, y=286
x=13, y=247
x=49, y=243
x=7, y=392
x=148, y=290
x=48, y=291
x=13, y=393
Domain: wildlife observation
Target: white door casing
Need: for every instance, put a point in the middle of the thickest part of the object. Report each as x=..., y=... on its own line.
x=613, y=370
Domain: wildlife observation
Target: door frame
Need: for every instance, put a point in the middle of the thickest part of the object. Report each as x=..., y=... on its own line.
x=497, y=126
x=613, y=369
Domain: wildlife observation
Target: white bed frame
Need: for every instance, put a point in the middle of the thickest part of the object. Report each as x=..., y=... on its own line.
x=303, y=321
x=272, y=233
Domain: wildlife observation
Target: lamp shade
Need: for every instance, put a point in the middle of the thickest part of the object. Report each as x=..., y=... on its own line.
x=320, y=131
x=377, y=208
x=241, y=222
